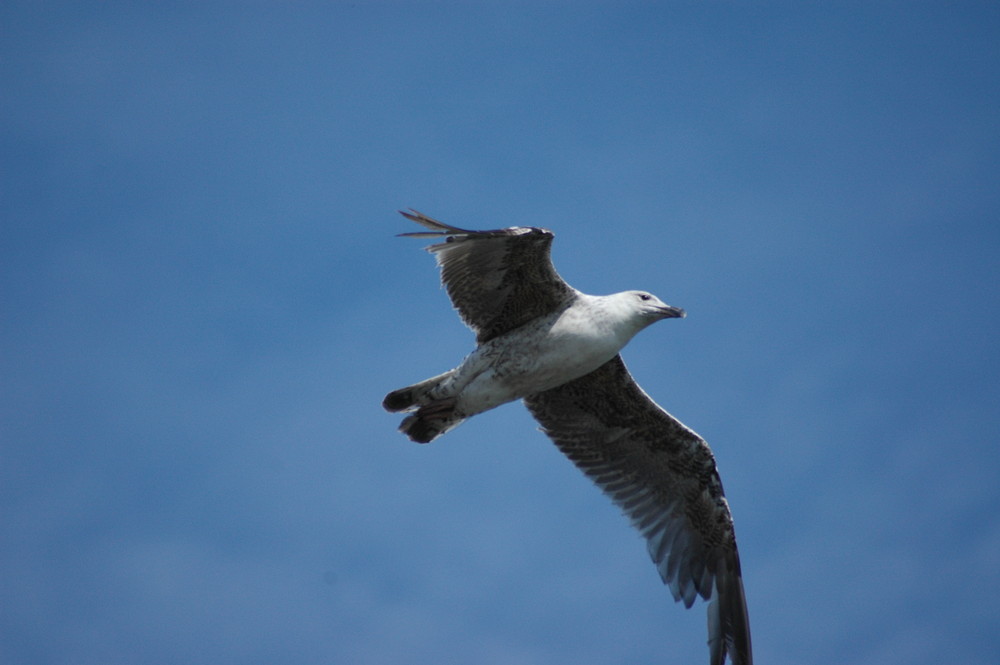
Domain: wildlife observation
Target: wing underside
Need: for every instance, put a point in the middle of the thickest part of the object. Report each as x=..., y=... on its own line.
x=663, y=476
x=497, y=280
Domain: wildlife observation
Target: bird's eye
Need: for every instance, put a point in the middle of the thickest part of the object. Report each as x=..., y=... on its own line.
x=644, y=296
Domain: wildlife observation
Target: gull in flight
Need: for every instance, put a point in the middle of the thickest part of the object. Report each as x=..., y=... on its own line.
x=542, y=341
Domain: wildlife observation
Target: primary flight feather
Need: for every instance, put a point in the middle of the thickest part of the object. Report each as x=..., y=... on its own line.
x=541, y=340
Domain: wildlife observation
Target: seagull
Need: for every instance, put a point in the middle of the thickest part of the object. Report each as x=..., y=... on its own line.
x=557, y=349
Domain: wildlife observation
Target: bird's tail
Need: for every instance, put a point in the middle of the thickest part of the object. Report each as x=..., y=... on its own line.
x=415, y=396
x=434, y=415
x=431, y=421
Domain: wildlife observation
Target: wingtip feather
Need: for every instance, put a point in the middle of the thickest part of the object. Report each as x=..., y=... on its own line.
x=437, y=229
x=728, y=624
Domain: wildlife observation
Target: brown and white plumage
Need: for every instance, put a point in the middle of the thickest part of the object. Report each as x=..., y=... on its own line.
x=498, y=280
x=659, y=472
x=663, y=476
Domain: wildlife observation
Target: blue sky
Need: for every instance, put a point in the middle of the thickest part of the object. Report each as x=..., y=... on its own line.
x=203, y=304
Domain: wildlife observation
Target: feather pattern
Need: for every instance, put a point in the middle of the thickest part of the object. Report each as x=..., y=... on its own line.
x=663, y=476
x=660, y=473
x=498, y=280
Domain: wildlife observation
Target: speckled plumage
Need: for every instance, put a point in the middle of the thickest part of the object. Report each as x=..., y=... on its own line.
x=542, y=341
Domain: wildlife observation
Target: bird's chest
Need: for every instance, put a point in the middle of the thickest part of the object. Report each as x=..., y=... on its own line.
x=554, y=354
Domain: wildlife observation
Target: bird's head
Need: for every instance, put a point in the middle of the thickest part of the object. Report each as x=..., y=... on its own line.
x=650, y=308
x=634, y=310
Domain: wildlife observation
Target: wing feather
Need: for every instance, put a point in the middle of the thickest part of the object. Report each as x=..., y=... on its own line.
x=663, y=476
x=497, y=280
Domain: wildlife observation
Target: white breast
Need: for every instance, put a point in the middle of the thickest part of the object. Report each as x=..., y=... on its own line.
x=541, y=355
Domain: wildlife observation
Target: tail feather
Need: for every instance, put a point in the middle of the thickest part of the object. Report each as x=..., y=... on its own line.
x=411, y=397
x=434, y=415
x=399, y=400
x=431, y=421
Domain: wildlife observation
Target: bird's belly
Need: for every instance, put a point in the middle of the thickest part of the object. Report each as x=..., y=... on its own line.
x=562, y=360
x=512, y=371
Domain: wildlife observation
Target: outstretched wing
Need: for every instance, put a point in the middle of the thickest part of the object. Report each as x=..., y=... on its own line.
x=663, y=476
x=497, y=280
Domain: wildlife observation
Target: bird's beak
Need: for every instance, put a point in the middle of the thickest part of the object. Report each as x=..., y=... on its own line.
x=669, y=312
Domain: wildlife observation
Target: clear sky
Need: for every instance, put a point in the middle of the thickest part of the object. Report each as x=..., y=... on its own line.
x=202, y=304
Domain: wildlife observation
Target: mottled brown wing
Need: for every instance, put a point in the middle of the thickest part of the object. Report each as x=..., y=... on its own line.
x=663, y=476
x=497, y=280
